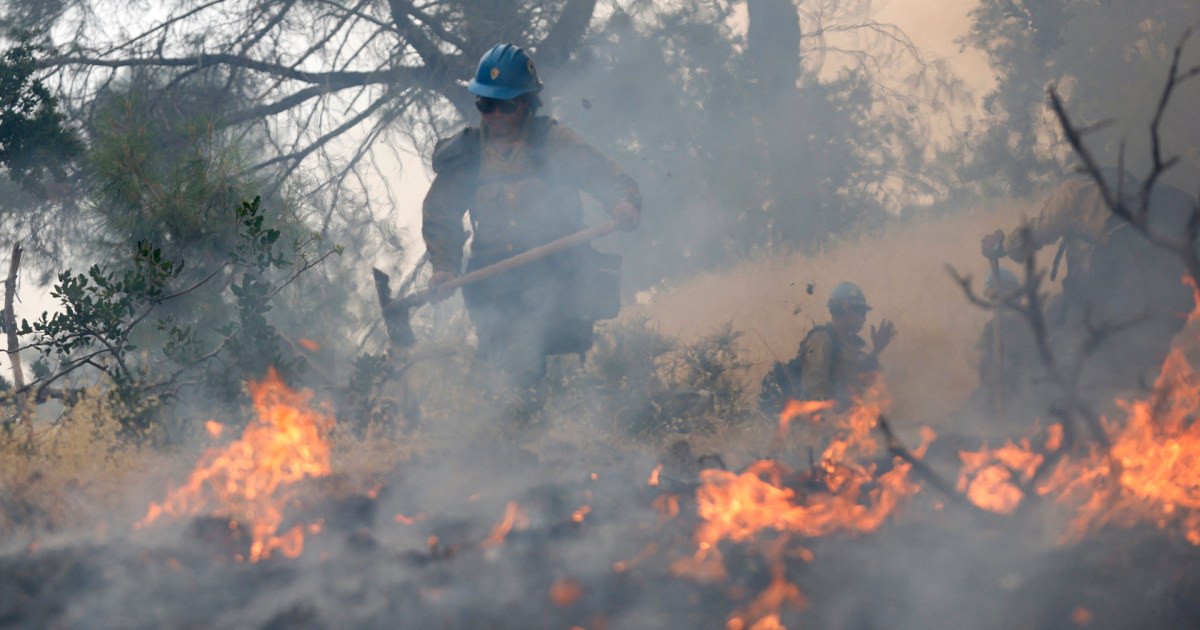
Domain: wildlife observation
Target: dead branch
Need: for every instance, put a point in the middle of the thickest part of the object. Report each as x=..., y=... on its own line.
x=1136, y=211
x=897, y=448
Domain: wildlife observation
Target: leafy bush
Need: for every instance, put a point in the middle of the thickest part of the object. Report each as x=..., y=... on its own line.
x=656, y=387
x=103, y=313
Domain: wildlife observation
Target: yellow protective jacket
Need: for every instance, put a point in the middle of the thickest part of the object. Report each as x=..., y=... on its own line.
x=834, y=366
x=1074, y=212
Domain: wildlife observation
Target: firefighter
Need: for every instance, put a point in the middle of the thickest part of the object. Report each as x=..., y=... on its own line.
x=1010, y=375
x=832, y=363
x=518, y=177
x=1116, y=281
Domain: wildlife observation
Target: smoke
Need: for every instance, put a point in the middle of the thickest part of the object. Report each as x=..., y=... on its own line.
x=759, y=199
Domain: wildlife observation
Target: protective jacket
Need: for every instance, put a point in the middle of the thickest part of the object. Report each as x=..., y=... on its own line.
x=828, y=366
x=1117, y=281
x=516, y=201
x=835, y=366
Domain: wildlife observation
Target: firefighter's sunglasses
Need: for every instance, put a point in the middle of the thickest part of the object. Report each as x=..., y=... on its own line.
x=489, y=105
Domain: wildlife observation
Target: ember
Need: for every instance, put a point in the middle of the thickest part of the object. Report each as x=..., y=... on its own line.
x=249, y=480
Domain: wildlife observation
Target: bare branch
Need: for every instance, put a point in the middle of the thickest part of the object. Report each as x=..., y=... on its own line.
x=331, y=80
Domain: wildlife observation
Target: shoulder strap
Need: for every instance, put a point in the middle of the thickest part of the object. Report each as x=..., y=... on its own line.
x=826, y=328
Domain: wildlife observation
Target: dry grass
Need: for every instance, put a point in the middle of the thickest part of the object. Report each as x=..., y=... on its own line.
x=930, y=367
x=71, y=474
x=78, y=471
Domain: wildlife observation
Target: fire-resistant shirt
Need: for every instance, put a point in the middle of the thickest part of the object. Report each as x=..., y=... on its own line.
x=834, y=369
x=519, y=199
x=1076, y=212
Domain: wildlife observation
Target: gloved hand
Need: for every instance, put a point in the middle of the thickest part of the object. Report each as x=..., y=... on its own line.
x=882, y=336
x=627, y=216
x=992, y=245
x=439, y=278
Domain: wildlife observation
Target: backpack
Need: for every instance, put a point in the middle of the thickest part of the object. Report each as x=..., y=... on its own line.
x=782, y=382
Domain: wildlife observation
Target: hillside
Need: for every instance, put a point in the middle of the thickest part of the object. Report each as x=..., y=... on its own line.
x=930, y=367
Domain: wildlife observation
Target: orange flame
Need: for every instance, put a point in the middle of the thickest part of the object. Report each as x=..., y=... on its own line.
x=408, y=520
x=667, y=506
x=648, y=551
x=1151, y=473
x=848, y=497
x=764, y=610
x=214, y=428
x=653, y=480
x=1194, y=316
x=795, y=409
x=565, y=591
x=250, y=480
x=1155, y=456
x=514, y=516
x=736, y=506
x=987, y=475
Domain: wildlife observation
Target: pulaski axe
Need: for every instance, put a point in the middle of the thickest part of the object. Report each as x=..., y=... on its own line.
x=397, y=311
x=999, y=392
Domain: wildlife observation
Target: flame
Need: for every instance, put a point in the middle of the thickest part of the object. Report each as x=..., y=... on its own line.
x=514, y=516
x=251, y=480
x=309, y=344
x=850, y=498
x=795, y=409
x=764, y=610
x=987, y=475
x=653, y=480
x=1151, y=473
x=578, y=515
x=1194, y=316
x=565, y=591
x=737, y=506
x=1155, y=459
x=648, y=551
x=214, y=428
x=667, y=506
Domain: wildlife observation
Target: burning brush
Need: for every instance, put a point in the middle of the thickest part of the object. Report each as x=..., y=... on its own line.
x=845, y=493
x=252, y=480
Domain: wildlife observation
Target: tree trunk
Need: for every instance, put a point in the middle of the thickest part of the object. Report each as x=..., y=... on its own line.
x=10, y=328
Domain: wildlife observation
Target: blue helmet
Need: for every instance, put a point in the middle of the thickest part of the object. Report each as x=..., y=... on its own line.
x=847, y=295
x=504, y=73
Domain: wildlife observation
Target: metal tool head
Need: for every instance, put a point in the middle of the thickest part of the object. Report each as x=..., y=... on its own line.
x=395, y=313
